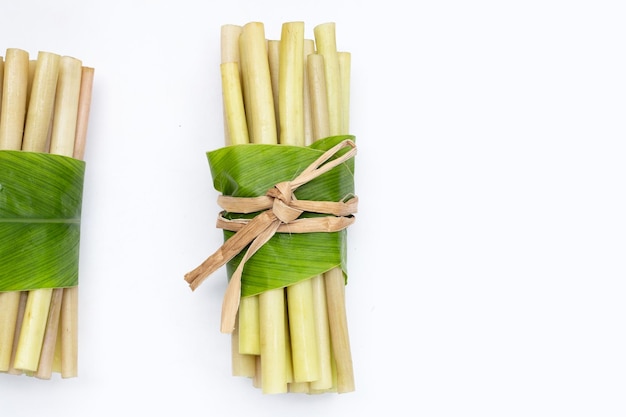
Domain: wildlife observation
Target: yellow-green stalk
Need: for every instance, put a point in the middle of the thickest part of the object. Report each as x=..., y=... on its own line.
x=304, y=344
x=49, y=344
x=12, y=116
x=343, y=372
x=273, y=359
x=233, y=104
x=326, y=46
x=38, y=117
x=229, y=51
x=33, y=330
x=256, y=379
x=245, y=345
x=32, y=64
x=288, y=361
x=334, y=279
x=320, y=129
x=66, y=76
x=322, y=330
x=66, y=353
x=309, y=48
x=84, y=109
x=249, y=333
x=66, y=107
x=56, y=362
x=14, y=94
x=335, y=291
x=291, y=84
x=259, y=103
x=229, y=43
x=315, y=98
x=273, y=59
x=242, y=361
x=18, y=329
x=62, y=141
x=291, y=111
x=345, y=67
x=257, y=88
x=9, y=301
x=241, y=364
x=1, y=79
x=59, y=351
x=69, y=333
x=41, y=103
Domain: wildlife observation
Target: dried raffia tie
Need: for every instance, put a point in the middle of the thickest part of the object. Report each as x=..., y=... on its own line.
x=282, y=212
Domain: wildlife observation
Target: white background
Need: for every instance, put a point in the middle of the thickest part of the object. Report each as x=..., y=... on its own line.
x=487, y=272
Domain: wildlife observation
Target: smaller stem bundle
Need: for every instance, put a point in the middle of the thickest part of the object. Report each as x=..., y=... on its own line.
x=45, y=109
x=291, y=91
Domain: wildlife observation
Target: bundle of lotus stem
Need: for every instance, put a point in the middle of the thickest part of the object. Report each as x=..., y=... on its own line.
x=289, y=91
x=44, y=109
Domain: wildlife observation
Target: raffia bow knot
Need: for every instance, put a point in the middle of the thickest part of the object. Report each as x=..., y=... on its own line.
x=282, y=195
x=280, y=211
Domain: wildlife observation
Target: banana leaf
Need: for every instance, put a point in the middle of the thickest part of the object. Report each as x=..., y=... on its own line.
x=40, y=209
x=250, y=170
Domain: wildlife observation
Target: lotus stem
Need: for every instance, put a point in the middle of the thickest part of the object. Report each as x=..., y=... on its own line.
x=41, y=103
x=291, y=84
x=1, y=80
x=23, y=298
x=345, y=66
x=258, y=98
x=325, y=381
x=273, y=60
x=273, y=348
x=337, y=317
x=322, y=330
x=326, y=45
x=257, y=84
x=291, y=111
x=249, y=341
x=69, y=333
x=309, y=48
x=334, y=280
x=242, y=365
x=33, y=346
x=318, y=98
x=229, y=51
x=33, y=330
x=65, y=76
x=66, y=107
x=234, y=113
x=12, y=116
x=9, y=303
x=14, y=93
x=84, y=110
x=245, y=343
x=68, y=329
x=49, y=343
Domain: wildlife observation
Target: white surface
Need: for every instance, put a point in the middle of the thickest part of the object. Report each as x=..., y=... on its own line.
x=499, y=291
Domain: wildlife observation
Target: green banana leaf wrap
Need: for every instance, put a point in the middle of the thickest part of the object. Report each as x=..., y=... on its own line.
x=249, y=171
x=40, y=209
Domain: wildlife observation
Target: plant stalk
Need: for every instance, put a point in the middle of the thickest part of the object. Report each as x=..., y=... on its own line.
x=335, y=284
x=245, y=344
x=12, y=117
